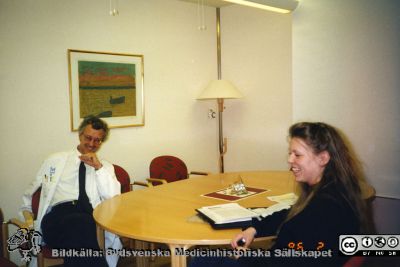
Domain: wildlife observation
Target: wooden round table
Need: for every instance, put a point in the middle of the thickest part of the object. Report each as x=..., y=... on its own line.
x=166, y=213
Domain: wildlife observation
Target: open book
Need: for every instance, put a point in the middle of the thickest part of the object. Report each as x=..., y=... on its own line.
x=229, y=215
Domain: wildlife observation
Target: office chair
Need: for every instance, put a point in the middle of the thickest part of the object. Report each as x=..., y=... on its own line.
x=167, y=169
x=45, y=258
x=125, y=181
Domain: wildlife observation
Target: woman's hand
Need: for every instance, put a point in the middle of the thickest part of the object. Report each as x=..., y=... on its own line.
x=246, y=237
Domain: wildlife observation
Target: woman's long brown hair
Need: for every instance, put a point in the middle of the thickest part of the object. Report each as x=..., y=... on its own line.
x=343, y=168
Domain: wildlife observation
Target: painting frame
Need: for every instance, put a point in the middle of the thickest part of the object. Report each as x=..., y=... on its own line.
x=108, y=85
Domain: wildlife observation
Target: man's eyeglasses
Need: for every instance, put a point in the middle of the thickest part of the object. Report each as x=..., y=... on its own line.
x=89, y=139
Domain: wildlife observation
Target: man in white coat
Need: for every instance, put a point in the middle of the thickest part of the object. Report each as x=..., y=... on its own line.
x=72, y=184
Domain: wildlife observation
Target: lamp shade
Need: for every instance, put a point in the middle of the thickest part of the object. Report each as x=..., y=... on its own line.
x=220, y=89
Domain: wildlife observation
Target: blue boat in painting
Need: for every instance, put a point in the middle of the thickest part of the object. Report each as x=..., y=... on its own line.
x=117, y=100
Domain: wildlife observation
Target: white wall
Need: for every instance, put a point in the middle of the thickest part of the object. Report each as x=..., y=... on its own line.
x=34, y=103
x=346, y=72
x=179, y=60
x=256, y=55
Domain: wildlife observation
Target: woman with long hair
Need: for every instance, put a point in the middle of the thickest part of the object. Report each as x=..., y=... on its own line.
x=330, y=204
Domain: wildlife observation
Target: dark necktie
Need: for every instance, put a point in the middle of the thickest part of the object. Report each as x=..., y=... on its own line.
x=83, y=199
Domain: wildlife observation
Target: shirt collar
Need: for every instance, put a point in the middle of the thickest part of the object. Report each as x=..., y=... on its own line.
x=77, y=154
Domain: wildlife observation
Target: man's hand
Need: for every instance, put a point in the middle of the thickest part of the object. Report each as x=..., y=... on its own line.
x=91, y=160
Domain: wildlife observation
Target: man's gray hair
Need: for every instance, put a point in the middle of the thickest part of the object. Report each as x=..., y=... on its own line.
x=97, y=124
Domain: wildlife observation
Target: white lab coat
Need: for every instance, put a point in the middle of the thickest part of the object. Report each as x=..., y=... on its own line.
x=100, y=185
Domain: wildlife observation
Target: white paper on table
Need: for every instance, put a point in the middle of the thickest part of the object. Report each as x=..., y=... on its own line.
x=285, y=201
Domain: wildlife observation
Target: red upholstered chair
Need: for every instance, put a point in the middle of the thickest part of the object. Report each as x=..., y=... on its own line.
x=45, y=258
x=4, y=255
x=167, y=169
x=123, y=178
x=125, y=181
x=355, y=261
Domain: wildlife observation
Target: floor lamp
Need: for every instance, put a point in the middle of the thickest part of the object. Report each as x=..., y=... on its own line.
x=220, y=90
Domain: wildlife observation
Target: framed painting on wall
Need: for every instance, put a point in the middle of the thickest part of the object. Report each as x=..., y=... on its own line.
x=107, y=85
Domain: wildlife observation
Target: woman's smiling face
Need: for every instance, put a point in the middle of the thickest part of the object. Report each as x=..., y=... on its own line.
x=306, y=166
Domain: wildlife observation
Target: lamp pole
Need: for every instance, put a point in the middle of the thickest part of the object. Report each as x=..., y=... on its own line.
x=222, y=142
x=219, y=43
x=220, y=90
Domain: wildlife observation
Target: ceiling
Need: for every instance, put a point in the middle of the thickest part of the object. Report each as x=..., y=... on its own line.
x=214, y=3
x=281, y=6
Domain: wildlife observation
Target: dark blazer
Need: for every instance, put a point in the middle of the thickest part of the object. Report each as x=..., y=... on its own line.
x=322, y=221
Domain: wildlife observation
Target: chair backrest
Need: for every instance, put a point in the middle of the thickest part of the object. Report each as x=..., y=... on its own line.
x=35, y=202
x=123, y=178
x=169, y=168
